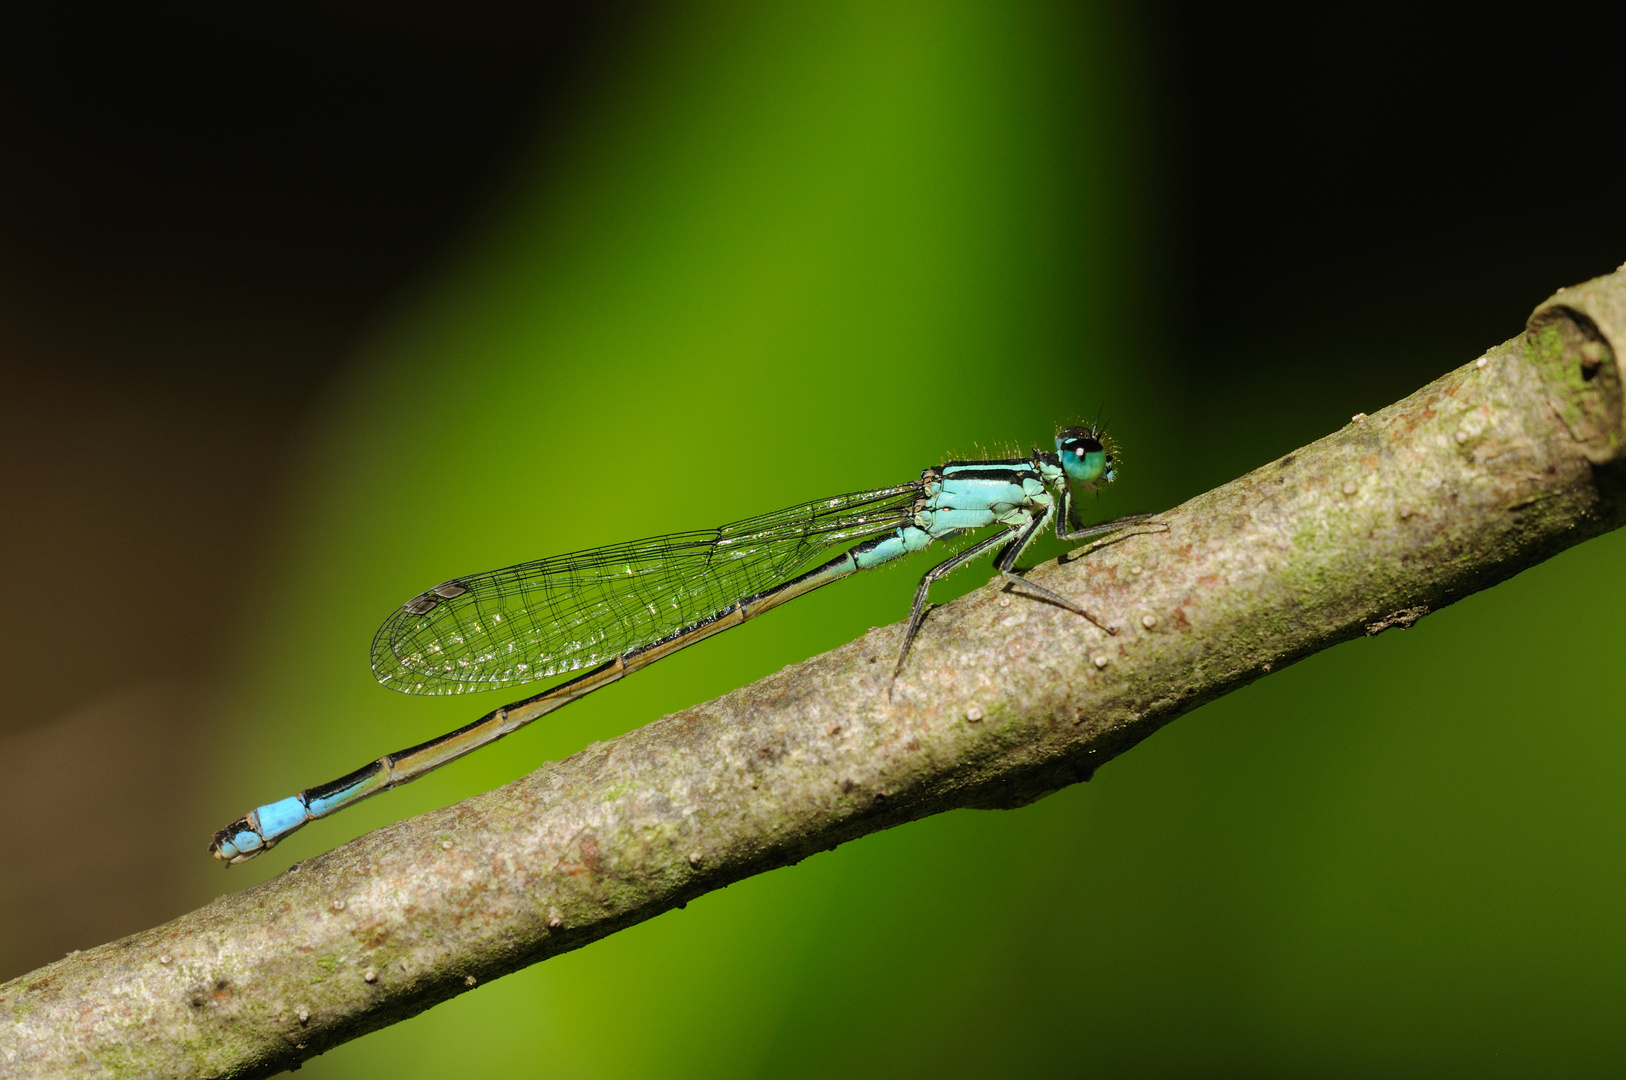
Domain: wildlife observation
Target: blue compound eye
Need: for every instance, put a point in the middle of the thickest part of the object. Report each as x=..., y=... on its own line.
x=1083, y=458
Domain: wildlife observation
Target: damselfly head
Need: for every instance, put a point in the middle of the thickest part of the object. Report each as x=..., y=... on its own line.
x=1087, y=455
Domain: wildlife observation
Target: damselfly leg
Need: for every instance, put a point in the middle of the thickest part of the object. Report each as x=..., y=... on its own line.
x=1014, y=541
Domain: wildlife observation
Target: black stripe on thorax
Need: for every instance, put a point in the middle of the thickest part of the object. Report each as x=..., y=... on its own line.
x=1012, y=471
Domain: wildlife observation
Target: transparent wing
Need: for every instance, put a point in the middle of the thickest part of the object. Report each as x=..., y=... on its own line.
x=537, y=619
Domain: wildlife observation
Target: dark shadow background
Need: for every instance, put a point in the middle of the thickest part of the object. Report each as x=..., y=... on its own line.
x=203, y=210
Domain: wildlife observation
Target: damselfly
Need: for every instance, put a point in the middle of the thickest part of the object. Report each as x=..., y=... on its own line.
x=616, y=609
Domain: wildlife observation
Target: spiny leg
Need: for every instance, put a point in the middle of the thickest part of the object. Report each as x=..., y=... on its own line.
x=1100, y=528
x=1006, y=565
x=917, y=610
x=1022, y=535
x=1115, y=525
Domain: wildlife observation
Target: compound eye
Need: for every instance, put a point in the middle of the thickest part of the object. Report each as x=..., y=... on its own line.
x=1084, y=459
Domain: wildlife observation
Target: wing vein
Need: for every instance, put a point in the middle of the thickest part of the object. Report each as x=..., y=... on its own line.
x=537, y=619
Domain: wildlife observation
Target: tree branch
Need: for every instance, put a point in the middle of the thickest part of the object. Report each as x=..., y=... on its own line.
x=1494, y=467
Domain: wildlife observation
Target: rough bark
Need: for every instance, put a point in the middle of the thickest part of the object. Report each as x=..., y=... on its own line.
x=1490, y=469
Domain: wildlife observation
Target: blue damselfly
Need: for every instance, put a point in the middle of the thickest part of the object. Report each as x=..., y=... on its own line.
x=615, y=609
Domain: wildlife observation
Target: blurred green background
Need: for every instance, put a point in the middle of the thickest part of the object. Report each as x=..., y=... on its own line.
x=830, y=245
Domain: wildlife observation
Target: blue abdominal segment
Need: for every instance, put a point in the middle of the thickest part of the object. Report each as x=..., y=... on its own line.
x=906, y=541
